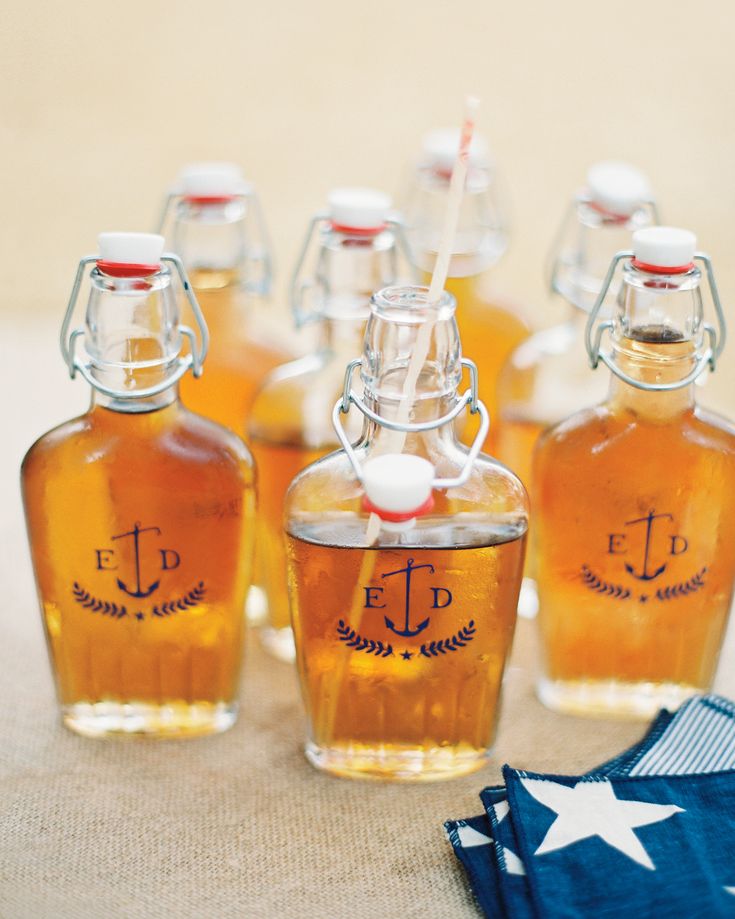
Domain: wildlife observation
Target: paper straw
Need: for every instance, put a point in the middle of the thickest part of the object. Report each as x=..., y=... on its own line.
x=395, y=441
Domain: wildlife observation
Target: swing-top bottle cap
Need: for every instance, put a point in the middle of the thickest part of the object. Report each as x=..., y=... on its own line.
x=363, y=209
x=440, y=148
x=135, y=251
x=664, y=248
x=617, y=187
x=398, y=486
x=211, y=180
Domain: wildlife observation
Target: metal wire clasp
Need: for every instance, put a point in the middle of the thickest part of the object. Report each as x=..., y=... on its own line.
x=299, y=286
x=708, y=357
x=261, y=257
x=468, y=398
x=194, y=359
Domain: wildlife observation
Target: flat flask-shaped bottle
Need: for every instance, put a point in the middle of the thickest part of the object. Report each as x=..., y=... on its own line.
x=140, y=516
x=547, y=378
x=405, y=560
x=635, y=502
x=216, y=226
x=350, y=250
x=490, y=326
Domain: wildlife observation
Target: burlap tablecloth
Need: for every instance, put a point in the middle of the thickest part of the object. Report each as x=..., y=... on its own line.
x=233, y=826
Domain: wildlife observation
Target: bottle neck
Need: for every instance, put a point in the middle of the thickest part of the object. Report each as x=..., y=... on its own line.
x=586, y=244
x=481, y=236
x=652, y=359
x=382, y=440
x=348, y=268
x=135, y=378
x=411, y=365
x=216, y=242
x=133, y=341
x=657, y=340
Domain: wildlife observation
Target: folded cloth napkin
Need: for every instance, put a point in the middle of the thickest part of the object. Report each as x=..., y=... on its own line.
x=510, y=877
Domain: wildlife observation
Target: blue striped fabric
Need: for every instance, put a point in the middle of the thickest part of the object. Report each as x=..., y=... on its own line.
x=701, y=738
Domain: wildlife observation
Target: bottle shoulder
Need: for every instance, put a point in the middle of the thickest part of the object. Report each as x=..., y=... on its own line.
x=492, y=491
x=608, y=428
x=174, y=436
x=294, y=403
x=718, y=425
x=289, y=380
x=67, y=432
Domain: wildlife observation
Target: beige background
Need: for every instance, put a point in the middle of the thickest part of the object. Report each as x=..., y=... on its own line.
x=101, y=104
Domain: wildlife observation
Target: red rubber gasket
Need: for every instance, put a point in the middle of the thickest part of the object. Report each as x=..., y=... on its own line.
x=392, y=517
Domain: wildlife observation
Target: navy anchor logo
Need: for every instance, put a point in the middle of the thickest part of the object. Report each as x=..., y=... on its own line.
x=106, y=561
x=380, y=648
x=407, y=631
x=135, y=533
x=617, y=545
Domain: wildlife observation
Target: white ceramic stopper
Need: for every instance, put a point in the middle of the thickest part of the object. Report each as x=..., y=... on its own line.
x=665, y=247
x=211, y=180
x=398, y=482
x=440, y=148
x=617, y=187
x=130, y=248
x=359, y=208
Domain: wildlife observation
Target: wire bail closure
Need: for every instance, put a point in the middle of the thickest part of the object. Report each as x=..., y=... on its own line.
x=468, y=398
x=263, y=257
x=299, y=287
x=708, y=358
x=194, y=360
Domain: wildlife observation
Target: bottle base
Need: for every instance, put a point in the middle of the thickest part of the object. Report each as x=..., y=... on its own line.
x=395, y=764
x=279, y=643
x=612, y=698
x=175, y=719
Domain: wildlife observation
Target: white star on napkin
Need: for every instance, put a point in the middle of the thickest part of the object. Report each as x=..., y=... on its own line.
x=591, y=809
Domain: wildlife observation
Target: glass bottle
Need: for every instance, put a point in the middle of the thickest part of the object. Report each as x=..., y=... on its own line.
x=218, y=230
x=635, y=502
x=405, y=560
x=547, y=377
x=140, y=516
x=357, y=251
x=489, y=327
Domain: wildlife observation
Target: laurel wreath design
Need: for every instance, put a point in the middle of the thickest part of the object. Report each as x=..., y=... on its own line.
x=95, y=605
x=684, y=588
x=193, y=598
x=360, y=643
x=604, y=588
x=453, y=643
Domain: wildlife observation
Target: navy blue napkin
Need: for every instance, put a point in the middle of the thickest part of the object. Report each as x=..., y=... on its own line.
x=700, y=738
x=647, y=846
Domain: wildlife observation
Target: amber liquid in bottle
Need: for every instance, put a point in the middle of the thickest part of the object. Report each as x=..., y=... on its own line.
x=545, y=380
x=403, y=626
x=290, y=428
x=241, y=351
x=489, y=332
x=635, y=502
x=418, y=706
x=290, y=421
x=281, y=463
x=140, y=520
